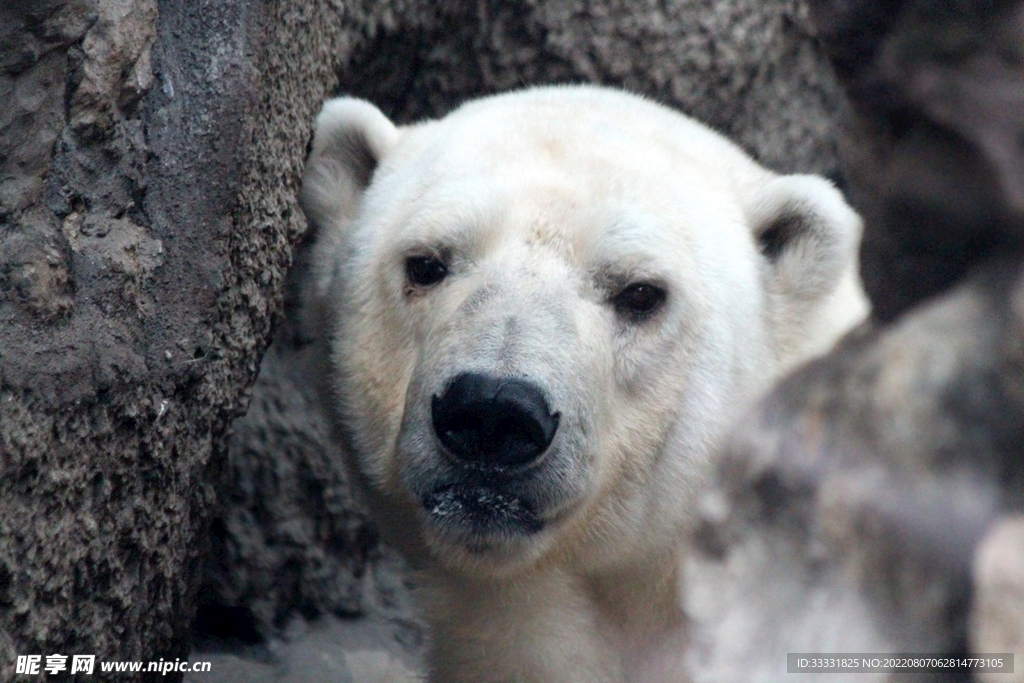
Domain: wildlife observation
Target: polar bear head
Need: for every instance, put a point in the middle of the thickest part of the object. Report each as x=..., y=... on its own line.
x=543, y=309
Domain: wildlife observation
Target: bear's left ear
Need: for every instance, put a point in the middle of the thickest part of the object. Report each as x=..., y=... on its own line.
x=809, y=238
x=807, y=233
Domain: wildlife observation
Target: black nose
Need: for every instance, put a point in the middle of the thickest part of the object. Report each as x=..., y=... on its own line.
x=493, y=420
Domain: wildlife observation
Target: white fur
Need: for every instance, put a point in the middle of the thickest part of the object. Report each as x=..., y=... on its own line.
x=545, y=202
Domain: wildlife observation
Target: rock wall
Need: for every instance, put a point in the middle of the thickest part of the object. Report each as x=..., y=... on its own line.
x=150, y=153
x=750, y=69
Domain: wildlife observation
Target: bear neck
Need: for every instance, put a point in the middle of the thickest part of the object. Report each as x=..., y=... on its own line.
x=629, y=619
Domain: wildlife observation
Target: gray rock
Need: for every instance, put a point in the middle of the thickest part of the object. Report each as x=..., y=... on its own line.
x=750, y=69
x=291, y=537
x=848, y=506
x=149, y=158
x=933, y=151
x=329, y=650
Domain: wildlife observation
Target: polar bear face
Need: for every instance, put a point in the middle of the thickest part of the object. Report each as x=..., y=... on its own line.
x=543, y=309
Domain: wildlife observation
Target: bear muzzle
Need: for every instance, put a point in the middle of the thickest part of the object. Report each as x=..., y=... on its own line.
x=494, y=433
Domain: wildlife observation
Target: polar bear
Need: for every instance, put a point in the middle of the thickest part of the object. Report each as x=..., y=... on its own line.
x=541, y=312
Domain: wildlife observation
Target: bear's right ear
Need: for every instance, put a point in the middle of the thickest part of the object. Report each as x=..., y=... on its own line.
x=352, y=136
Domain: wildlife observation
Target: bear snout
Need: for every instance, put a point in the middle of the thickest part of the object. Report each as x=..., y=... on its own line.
x=492, y=421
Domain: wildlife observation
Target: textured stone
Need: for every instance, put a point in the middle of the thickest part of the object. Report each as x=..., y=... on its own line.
x=144, y=243
x=291, y=538
x=330, y=649
x=750, y=69
x=114, y=67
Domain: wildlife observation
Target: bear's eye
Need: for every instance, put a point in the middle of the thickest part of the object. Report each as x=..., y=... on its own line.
x=639, y=300
x=425, y=271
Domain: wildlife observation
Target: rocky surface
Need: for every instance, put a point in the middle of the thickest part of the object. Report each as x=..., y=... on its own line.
x=149, y=157
x=330, y=650
x=382, y=643
x=292, y=539
x=750, y=69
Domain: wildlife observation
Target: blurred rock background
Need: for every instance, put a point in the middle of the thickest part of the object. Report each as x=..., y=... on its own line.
x=872, y=503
